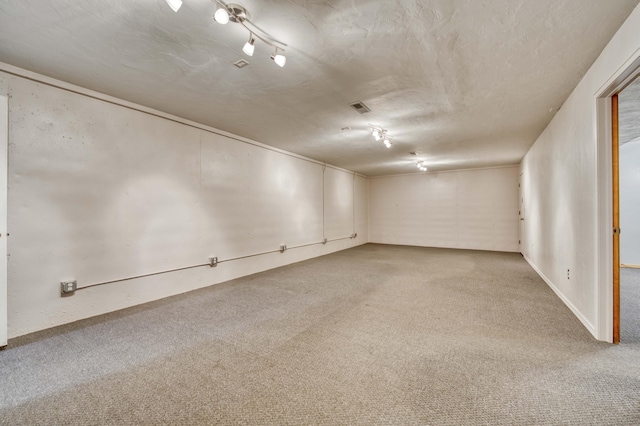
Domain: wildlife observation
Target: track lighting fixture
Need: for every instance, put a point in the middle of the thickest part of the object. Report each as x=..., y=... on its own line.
x=421, y=166
x=381, y=134
x=248, y=46
x=238, y=14
x=174, y=4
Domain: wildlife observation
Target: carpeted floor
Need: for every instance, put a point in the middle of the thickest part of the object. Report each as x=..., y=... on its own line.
x=629, y=305
x=373, y=335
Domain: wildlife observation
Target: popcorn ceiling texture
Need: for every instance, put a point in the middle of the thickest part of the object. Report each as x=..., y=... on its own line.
x=465, y=83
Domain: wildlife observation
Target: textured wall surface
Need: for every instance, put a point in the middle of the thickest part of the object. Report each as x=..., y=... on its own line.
x=469, y=209
x=99, y=192
x=630, y=203
x=561, y=192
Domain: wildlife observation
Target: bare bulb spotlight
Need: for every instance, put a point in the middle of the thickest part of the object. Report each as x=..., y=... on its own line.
x=421, y=166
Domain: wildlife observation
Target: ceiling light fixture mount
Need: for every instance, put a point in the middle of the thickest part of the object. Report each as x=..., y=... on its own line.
x=380, y=134
x=237, y=13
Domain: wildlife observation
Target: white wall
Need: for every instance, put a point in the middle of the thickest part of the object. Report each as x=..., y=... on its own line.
x=469, y=209
x=630, y=203
x=4, y=140
x=100, y=190
x=561, y=181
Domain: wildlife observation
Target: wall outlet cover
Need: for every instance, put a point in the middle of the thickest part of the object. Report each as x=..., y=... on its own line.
x=68, y=286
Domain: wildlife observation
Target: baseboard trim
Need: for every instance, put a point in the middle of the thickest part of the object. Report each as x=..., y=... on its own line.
x=564, y=299
x=625, y=265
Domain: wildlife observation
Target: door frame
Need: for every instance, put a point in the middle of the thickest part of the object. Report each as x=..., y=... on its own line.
x=608, y=318
x=521, y=218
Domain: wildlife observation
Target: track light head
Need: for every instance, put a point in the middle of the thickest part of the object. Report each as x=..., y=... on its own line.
x=174, y=4
x=387, y=142
x=279, y=59
x=221, y=16
x=249, y=46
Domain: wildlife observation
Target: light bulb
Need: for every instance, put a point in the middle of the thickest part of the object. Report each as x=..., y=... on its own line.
x=221, y=16
x=376, y=134
x=279, y=59
x=174, y=4
x=249, y=47
x=387, y=143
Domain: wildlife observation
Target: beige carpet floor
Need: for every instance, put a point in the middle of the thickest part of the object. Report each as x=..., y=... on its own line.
x=375, y=335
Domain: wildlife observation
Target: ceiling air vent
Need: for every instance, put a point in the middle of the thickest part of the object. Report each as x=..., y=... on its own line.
x=360, y=107
x=241, y=63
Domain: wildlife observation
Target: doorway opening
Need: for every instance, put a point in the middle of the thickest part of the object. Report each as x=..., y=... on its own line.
x=625, y=114
x=607, y=236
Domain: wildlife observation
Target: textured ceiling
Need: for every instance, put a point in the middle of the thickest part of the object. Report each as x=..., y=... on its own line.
x=629, y=112
x=465, y=83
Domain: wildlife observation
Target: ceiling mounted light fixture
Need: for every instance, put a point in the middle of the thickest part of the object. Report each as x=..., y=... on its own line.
x=379, y=133
x=248, y=46
x=421, y=166
x=174, y=4
x=232, y=12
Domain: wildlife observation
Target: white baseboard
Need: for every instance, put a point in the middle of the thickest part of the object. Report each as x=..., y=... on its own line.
x=562, y=297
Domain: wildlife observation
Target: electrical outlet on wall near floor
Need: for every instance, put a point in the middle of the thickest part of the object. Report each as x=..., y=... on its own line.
x=68, y=286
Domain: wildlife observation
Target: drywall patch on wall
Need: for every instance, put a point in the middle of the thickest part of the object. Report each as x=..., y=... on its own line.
x=630, y=203
x=100, y=192
x=470, y=209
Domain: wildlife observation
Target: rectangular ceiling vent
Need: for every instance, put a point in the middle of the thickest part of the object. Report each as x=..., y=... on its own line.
x=241, y=63
x=360, y=107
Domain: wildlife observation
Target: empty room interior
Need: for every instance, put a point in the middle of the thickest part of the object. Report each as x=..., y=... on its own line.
x=320, y=212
